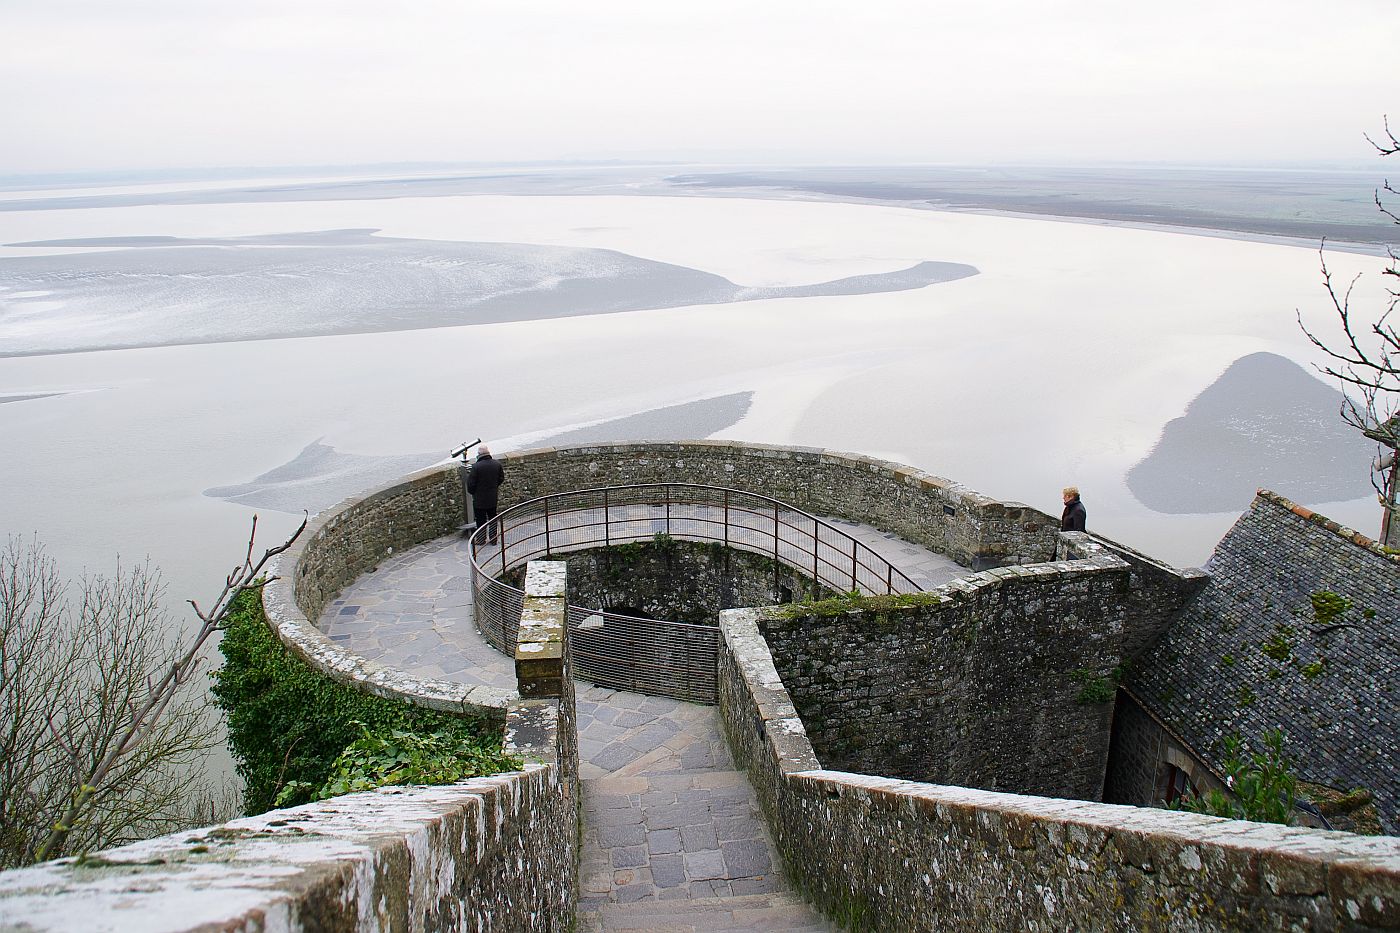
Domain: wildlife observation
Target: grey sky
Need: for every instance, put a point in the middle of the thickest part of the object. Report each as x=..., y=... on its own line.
x=98, y=84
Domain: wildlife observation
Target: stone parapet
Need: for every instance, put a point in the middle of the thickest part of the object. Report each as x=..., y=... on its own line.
x=346, y=541
x=935, y=513
x=485, y=854
x=884, y=854
x=980, y=682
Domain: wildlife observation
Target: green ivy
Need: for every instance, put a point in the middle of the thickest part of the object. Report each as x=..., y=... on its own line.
x=288, y=725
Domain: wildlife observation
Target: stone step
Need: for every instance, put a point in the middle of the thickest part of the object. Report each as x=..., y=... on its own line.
x=783, y=911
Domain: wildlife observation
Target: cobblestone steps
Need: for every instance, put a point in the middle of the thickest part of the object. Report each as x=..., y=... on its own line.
x=673, y=838
x=780, y=911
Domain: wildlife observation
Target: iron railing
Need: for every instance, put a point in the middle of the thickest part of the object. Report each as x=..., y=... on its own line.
x=645, y=655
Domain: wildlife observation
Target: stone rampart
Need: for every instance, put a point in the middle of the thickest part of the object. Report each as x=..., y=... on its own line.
x=491, y=854
x=935, y=513
x=883, y=854
x=348, y=540
x=978, y=683
x=1156, y=591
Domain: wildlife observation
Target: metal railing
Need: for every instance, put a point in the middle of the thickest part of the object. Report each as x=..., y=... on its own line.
x=650, y=656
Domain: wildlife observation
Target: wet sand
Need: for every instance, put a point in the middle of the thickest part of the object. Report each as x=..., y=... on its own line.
x=150, y=291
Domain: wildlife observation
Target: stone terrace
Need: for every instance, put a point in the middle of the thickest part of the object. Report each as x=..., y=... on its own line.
x=673, y=837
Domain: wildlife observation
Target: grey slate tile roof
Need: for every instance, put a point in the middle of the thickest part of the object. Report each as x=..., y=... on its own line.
x=1248, y=654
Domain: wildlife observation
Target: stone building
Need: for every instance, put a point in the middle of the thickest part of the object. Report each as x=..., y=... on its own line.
x=1297, y=629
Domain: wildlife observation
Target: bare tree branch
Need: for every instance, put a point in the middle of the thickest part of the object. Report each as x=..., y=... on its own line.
x=137, y=719
x=1365, y=360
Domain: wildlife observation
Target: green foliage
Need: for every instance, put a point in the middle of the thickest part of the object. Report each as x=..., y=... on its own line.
x=1263, y=784
x=396, y=756
x=1246, y=696
x=288, y=724
x=663, y=542
x=1328, y=606
x=1095, y=688
x=1228, y=660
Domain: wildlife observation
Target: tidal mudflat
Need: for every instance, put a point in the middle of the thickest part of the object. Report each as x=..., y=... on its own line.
x=150, y=291
x=1061, y=361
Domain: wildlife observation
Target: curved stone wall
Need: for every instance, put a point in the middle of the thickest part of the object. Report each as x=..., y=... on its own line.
x=348, y=540
x=938, y=514
x=681, y=581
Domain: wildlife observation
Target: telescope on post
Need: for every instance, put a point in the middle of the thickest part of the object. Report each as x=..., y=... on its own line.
x=462, y=450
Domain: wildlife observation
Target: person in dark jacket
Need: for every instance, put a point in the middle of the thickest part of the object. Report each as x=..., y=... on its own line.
x=1073, y=519
x=484, y=484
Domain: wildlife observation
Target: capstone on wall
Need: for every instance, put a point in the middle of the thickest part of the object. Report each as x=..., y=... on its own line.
x=979, y=686
x=882, y=854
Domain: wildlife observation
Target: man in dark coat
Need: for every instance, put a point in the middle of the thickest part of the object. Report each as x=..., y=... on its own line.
x=484, y=483
x=1073, y=519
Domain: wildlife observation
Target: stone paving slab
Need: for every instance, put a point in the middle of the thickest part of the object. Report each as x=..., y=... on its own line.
x=763, y=912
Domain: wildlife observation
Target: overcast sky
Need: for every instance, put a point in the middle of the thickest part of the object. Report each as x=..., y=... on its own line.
x=122, y=84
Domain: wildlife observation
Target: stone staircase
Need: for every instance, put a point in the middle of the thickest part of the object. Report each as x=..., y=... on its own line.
x=673, y=837
x=777, y=911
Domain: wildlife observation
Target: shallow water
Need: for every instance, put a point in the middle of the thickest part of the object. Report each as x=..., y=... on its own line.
x=1061, y=362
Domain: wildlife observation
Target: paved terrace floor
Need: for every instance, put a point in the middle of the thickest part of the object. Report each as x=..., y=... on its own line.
x=673, y=838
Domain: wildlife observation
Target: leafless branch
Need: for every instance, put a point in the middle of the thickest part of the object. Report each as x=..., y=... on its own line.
x=139, y=714
x=1387, y=146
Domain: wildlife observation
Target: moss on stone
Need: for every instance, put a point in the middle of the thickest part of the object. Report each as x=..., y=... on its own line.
x=840, y=605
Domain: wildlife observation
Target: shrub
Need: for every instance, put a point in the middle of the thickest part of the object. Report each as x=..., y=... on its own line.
x=1263, y=784
x=289, y=725
x=396, y=756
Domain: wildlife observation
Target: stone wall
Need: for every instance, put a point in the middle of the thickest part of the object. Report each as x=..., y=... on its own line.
x=935, y=513
x=1139, y=755
x=976, y=684
x=1249, y=653
x=343, y=542
x=682, y=581
x=1156, y=591
x=350, y=539
x=883, y=854
x=489, y=854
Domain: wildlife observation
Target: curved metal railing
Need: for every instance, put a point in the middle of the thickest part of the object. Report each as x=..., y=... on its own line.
x=649, y=656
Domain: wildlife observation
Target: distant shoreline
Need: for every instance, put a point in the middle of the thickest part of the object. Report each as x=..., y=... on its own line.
x=1293, y=208
x=1282, y=208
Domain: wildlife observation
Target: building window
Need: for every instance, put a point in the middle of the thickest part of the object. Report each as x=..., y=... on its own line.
x=1176, y=784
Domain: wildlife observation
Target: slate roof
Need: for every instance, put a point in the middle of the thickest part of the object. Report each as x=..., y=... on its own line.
x=1248, y=653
